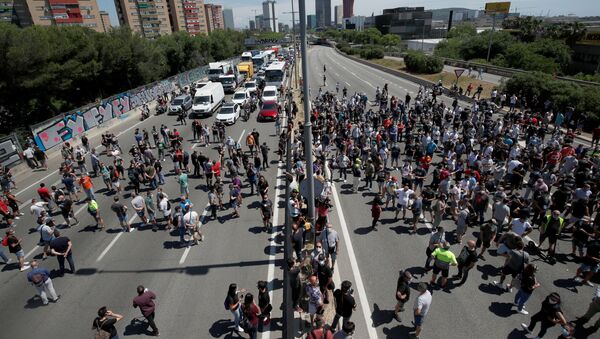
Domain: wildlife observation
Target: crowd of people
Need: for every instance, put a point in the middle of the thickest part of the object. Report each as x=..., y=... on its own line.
x=505, y=171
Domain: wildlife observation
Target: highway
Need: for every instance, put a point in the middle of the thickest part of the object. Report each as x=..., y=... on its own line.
x=474, y=310
x=190, y=283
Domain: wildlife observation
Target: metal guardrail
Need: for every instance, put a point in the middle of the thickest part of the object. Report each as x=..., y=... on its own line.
x=493, y=69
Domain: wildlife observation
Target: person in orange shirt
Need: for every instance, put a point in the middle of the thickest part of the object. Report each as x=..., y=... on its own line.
x=88, y=187
x=250, y=143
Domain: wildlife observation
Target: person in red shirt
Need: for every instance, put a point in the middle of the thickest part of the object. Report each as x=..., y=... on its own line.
x=145, y=301
x=552, y=159
x=566, y=151
x=251, y=312
x=444, y=173
x=425, y=162
x=216, y=169
x=375, y=211
x=45, y=195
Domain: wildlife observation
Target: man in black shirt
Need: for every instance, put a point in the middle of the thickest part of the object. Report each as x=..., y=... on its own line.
x=344, y=303
x=402, y=292
x=466, y=260
x=264, y=302
x=266, y=211
x=61, y=247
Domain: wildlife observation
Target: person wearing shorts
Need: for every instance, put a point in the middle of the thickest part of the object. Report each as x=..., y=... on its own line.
x=589, y=266
x=93, y=210
x=421, y=308
x=444, y=258
x=121, y=212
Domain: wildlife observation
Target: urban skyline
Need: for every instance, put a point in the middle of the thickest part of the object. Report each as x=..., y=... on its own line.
x=244, y=9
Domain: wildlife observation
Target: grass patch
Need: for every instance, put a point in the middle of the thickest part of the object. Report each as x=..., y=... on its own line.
x=389, y=63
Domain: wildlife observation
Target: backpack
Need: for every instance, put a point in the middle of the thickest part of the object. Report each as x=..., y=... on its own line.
x=226, y=304
x=100, y=333
x=464, y=254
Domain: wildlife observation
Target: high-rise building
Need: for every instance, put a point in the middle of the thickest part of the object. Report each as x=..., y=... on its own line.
x=338, y=15
x=188, y=16
x=258, y=20
x=228, y=18
x=323, y=10
x=269, y=18
x=105, y=20
x=311, y=21
x=149, y=18
x=348, y=6
x=24, y=13
x=252, y=25
x=214, y=17
x=407, y=22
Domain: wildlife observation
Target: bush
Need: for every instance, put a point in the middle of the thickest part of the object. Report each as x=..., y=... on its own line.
x=585, y=99
x=371, y=53
x=418, y=62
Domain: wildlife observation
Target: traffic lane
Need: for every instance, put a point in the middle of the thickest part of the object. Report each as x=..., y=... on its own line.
x=363, y=246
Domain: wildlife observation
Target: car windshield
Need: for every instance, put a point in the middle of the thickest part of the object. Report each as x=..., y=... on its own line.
x=240, y=96
x=177, y=101
x=269, y=94
x=250, y=85
x=226, y=110
x=269, y=106
x=215, y=71
x=202, y=100
x=226, y=80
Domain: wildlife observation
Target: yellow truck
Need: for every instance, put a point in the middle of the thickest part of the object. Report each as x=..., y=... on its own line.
x=246, y=69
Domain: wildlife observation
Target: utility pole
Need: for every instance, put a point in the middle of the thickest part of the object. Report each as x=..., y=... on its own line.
x=294, y=42
x=491, y=37
x=307, y=124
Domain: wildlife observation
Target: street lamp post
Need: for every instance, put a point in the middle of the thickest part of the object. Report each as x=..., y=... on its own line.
x=307, y=124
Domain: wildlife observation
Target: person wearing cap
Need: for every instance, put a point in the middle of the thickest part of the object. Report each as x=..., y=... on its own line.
x=443, y=259
x=356, y=174
x=421, y=308
x=549, y=315
x=402, y=292
x=14, y=246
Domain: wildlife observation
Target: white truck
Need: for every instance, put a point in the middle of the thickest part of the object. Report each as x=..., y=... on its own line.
x=231, y=81
x=216, y=69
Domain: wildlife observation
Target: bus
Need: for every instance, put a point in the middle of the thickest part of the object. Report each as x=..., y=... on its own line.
x=270, y=54
x=258, y=61
x=275, y=74
x=246, y=57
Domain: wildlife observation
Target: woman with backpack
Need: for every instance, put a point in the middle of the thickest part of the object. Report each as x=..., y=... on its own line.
x=528, y=284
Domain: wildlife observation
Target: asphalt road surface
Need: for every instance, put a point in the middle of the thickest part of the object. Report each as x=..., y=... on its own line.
x=373, y=258
x=190, y=283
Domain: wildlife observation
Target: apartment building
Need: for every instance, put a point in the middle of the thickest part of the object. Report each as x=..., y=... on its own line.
x=188, y=16
x=214, y=17
x=83, y=13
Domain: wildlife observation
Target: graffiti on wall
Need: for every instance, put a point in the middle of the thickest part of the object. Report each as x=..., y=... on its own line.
x=77, y=122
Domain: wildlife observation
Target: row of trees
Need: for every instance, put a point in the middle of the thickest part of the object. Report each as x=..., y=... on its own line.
x=370, y=36
x=584, y=99
x=418, y=62
x=542, y=54
x=48, y=70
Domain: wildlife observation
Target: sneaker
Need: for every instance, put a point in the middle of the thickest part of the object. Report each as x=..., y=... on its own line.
x=345, y=181
x=239, y=329
x=589, y=283
x=24, y=268
x=525, y=327
x=577, y=279
x=26, y=263
x=496, y=283
x=523, y=312
x=57, y=299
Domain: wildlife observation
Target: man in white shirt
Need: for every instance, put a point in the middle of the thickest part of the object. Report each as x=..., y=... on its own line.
x=139, y=206
x=521, y=227
x=165, y=207
x=402, y=199
x=192, y=224
x=421, y=308
x=37, y=207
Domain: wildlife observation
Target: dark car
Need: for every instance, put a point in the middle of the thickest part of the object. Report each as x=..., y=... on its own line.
x=180, y=103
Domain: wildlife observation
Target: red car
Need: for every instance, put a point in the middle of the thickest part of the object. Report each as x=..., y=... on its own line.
x=268, y=111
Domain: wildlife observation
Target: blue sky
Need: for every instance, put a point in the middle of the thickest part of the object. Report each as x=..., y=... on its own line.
x=243, y=10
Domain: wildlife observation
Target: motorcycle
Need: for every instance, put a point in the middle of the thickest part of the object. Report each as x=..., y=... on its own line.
x=145, y=113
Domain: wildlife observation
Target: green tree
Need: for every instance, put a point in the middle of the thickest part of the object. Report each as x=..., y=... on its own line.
x=390, y=40
x=418, y=62
x=463, y=30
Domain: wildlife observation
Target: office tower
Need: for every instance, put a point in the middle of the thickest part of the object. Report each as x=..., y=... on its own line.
x=228, y=18
x=337, y=15
x=269, y=18
x=323, y=11
x=348, y=6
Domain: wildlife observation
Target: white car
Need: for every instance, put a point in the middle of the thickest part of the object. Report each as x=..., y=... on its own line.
x=251, y=86
x=240, y=97
x=269, y=94
x=229, y=113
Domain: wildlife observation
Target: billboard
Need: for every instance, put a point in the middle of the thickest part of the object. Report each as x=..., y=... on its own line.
x=497, y=7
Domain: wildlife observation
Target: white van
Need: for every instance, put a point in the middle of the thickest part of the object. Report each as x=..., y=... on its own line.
x=207, y=99
x=269, y=93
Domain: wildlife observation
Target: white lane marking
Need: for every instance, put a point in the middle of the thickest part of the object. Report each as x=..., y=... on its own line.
x=241, y=135
x=347, y=83
x=112, y=243
x=362, y=294
x=187, y=249
x=271, y=271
